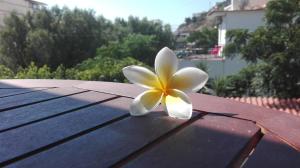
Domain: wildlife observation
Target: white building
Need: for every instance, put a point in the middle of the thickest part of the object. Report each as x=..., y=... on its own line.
x=240, y=14
x=21, y=7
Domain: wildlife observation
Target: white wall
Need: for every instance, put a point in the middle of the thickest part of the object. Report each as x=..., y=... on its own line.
x=240, y=20
x=218, y=69
x=222, y=33
x=245, y=20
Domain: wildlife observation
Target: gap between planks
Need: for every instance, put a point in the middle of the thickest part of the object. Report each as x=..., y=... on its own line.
x=130, y=97
x=241, y=158
x=25, y=92
x=59, y=114
x=226, y=115
x=267, y=131
x=49, y=146
x=158, y=140
x=40, y=101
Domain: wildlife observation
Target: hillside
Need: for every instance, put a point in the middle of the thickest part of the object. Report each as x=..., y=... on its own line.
x=199, y=20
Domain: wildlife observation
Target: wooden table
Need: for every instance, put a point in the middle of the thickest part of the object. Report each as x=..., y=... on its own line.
x=65, y=123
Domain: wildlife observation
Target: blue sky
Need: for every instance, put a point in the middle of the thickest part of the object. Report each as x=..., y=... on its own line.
x=172, y=12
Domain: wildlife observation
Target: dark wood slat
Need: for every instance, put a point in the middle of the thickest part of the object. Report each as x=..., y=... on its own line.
x=11, y=92
x=28, y=114
x=104, y=147
x=213, y=141
x=272, y=152
x=24, y=140
x=285, y=126
x=24, y=99
x=32, y=83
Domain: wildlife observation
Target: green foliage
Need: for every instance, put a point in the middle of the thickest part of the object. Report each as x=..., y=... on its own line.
x=137, y=46
x=98, y=68
x=60, y=36
x=206, y=38
x=276, y=46
x=51, y=36
x=241, y=84
x=34, y=72
x=248, y=82
x=61, y=43
x=5, y=73
x=13, y=41
x=60, y=72
x=220, y=86
x=203, y=66
x=282, y=13
x=141, y=47
x=162, y=34
x=104, y=68
x=238, y=39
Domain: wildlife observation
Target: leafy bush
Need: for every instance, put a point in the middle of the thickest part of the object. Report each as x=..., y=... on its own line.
x=60, y=72
x=203, y=66
x=104, y=68
x=5, y=73
x=138, y=46
x=245, y=83
x=34, y=72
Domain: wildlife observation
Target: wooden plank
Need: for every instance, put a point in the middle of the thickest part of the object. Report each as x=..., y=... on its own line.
x=201, y=102
x=103, y=147
x=272, y=152
x=284, y=126
x=22, y=116
x=34, y=97
x=122, y=89
x=32, y=83
x=31, y=138
x=219, y=105
x=213, y=141
x=11, y=92
x=273, y=121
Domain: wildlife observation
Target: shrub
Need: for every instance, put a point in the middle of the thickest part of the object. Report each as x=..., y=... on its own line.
x=5, y=73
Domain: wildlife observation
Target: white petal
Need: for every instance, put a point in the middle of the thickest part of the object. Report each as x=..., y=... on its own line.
x=178, y=105
x=141, y=76
x=145, y=102
x=166, y=64
x=188, y=80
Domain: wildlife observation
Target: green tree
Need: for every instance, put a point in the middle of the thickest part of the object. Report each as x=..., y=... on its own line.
x=13, y=42
x=138, y=46
x=52, y=36
x=141, y=47
x=206, y=38
x=276, y=46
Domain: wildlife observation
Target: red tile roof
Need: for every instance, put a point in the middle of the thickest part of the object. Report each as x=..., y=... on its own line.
x=291, y=106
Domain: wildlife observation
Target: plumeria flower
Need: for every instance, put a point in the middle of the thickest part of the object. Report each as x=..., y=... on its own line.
x=168, y=86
